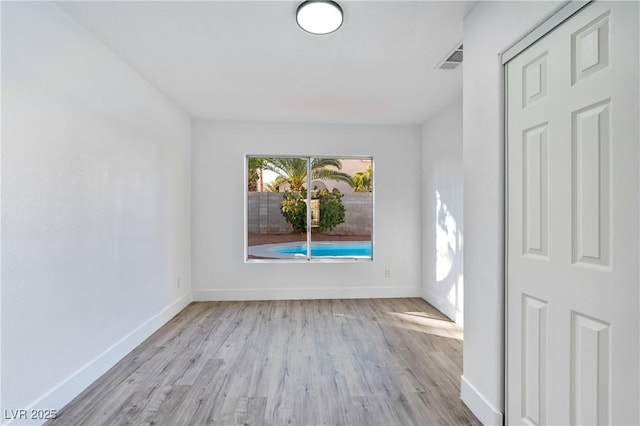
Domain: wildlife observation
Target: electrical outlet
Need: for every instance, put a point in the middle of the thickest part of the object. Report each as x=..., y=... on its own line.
x=387, y=273
x=179, y=283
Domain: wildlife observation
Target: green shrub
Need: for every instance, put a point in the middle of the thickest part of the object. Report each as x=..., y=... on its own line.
x=293, y=208
x=331, y=209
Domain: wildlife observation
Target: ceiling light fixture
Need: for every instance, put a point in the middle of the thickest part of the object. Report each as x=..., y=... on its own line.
x=319, y=16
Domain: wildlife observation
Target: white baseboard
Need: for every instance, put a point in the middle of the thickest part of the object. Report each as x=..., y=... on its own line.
x=71, y=387
x=478, y=404
x=444, y=306
x=305, y=293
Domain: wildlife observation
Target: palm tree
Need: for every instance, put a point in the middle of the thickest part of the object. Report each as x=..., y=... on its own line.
x=274, y=186
x=362, y=181
x=255, y=166
x=294, y=170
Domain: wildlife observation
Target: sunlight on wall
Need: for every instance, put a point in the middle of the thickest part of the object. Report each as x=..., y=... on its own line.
x=455, y=296
x=448, y=254
x=446, y=240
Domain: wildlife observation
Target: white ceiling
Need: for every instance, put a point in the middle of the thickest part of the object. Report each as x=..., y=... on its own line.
x=241, y=60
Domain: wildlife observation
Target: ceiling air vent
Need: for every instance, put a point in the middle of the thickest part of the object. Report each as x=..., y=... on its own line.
x=453, y=59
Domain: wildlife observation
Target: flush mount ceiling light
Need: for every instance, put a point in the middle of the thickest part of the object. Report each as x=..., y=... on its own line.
x=319, y=16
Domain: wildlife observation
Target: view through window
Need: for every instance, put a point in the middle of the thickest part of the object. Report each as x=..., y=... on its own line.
x=303, y=208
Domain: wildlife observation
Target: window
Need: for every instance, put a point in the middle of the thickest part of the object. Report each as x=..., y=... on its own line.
x=293, y=218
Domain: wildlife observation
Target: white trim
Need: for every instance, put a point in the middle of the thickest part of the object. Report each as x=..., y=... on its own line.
x=309, y=208
x=72, y=386
x=505, y=192
x=544, y=28
x=233, y=294
x=478, y=404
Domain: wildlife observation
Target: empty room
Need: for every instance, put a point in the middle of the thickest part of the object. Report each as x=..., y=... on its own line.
x=320, y=212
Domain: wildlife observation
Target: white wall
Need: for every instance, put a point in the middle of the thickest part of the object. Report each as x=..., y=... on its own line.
x=95, y=208
x=442, y=225
x=489, y=29
x=218, y=179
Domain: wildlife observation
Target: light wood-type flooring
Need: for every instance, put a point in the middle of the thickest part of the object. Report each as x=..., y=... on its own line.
x=313, y=362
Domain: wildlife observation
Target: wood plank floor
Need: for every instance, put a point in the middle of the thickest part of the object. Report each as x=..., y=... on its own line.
x=316, y=362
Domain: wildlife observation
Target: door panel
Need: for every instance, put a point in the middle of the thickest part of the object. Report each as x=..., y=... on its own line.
x=572, y=222
x=591, y=186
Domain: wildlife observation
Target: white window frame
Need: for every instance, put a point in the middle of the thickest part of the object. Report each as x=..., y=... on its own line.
x=308, y=258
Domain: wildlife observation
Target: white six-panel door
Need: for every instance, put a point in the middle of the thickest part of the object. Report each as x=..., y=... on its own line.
x=573, y=222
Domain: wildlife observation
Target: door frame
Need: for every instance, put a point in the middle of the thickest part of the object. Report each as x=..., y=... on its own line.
x=547, y=26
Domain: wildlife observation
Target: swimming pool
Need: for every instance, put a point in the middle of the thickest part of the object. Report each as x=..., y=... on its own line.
x=324, y=249
x=330, y=249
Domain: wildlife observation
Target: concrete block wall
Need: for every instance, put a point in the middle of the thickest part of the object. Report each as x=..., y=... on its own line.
x=264, y=215
x=358, y=214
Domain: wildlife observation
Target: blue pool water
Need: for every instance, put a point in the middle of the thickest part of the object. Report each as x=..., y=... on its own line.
x=328, y=250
